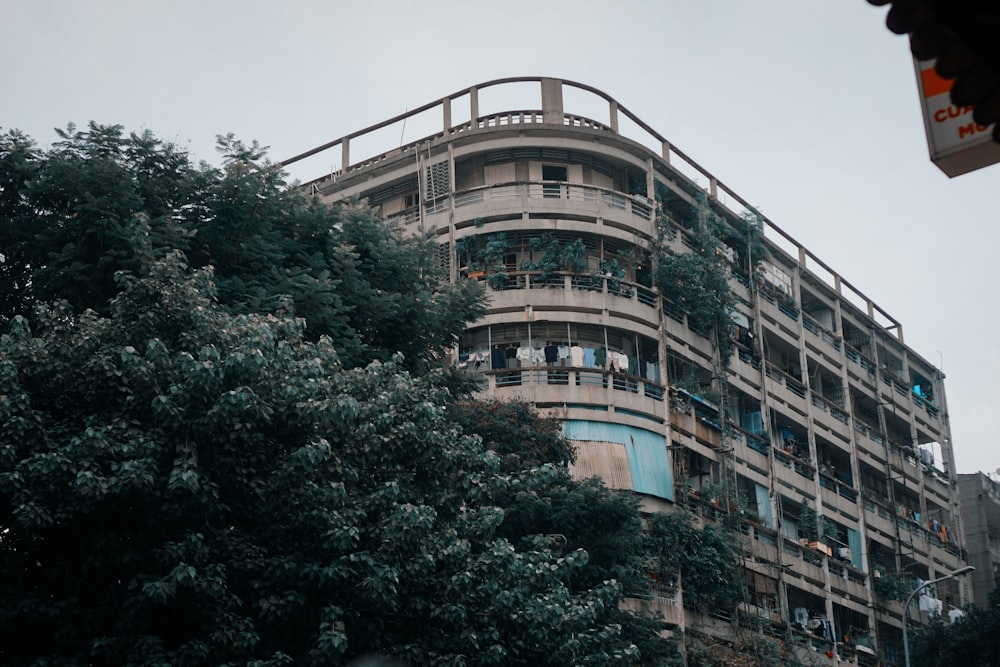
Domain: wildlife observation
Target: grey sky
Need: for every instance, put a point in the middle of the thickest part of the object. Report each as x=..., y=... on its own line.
x=807, y=108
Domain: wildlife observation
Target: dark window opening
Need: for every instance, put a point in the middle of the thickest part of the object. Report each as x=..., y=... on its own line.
x=553, y=173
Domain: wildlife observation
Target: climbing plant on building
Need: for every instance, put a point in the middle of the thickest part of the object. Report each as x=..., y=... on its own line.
x=695, y=281
x=704, y=558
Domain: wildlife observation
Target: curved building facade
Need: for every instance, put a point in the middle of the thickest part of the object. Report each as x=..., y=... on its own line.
x=810, y=402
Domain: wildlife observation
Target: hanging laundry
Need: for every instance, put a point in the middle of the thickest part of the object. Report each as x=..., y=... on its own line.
x=930, y=604
x=577, y=356
x=623, y=362
x=551, y=353
x=498, y=358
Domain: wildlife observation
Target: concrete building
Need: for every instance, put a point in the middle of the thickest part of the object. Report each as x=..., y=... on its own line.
x=804, y=404
x=980, y=496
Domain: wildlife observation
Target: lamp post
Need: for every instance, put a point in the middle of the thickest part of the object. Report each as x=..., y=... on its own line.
x=906, y=606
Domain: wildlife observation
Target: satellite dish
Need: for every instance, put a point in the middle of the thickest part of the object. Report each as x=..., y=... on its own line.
x=998, y=471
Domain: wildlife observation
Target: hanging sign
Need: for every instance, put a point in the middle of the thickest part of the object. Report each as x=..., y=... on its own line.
x=957, y=143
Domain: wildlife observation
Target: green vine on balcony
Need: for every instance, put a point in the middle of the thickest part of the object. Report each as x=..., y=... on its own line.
x=695, y=282
x=812, y=526
x=485, y=253
x=895, y=586
x=556, y=256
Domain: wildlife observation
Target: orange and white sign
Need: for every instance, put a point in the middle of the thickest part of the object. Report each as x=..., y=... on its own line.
x=957, y=143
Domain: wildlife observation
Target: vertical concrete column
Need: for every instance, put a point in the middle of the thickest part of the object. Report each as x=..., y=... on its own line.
x=613, y=116
x=453, y=260
x=345, y=155
x=552, y=102
x=665, y=151
x=651, y=187
x=474, y=105
x=446, y=113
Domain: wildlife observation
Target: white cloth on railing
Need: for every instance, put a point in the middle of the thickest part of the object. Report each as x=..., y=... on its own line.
x=930, y=604
x=621, y=360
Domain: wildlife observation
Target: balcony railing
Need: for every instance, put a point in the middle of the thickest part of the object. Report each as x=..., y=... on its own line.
x=840, y=488
x=554, y=113
x=519, y=280
x=589, y=195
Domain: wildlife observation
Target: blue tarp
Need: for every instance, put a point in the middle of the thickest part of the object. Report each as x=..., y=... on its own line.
x=648, y=458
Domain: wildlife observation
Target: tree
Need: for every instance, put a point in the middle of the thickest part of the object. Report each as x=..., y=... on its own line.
x=543, y=499
x=183, y=485
x=972, y=640
x=201, y=463
x=99, y=202
x=704, y=558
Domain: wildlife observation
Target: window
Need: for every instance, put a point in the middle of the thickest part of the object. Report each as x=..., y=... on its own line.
x=552, y=173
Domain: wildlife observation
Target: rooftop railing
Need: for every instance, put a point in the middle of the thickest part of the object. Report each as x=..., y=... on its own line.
x=620, y=121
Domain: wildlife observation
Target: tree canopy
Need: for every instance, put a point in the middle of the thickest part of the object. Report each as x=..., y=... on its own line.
x=224, y=439
x=973, y=640
x=100, y=201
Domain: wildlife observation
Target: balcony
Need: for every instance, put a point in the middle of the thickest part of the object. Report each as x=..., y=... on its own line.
x=794, y=471
x=585, y=387
x=662, y=600
x=822, y=340
x=835, y=488
x=830, y=416
x=576, y=201
x=568, y=292
x=786, y=388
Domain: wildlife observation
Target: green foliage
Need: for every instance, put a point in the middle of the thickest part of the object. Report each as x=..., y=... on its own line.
x=556, y=256
x=696, y=282
x=182, y=485
x=704, y=558
x=746, y=239
x=99, y=202
x=610, y=270
x=756, y=651
x=973, y=640
x=812, y=526
x=892, y=586
x=515, y=432
x=808, y=522
x=210, y=454
x=487, y=253
x=95, y=203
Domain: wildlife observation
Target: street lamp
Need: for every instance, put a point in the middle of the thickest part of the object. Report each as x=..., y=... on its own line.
x=906, y=606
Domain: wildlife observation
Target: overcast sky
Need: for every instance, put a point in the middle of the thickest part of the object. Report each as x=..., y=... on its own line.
x=806, y=108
